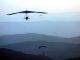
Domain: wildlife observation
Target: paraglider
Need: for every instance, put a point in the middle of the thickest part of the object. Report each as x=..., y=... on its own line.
x=42, y=49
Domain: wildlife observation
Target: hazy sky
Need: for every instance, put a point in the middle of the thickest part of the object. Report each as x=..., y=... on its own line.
x=63, y=29
x=62, y=9
x=58, y=10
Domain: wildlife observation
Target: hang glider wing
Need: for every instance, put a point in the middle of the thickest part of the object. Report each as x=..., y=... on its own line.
x=27, y=12
x=42, y=12
x=11, y=13
x=36, y=12
x=17, y=12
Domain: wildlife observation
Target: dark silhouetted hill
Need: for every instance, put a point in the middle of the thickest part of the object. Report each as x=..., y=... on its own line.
x=76, y=58
x=56, y=50
x=8, y=54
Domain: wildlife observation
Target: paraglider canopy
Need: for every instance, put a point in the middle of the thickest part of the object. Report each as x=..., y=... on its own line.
x=42, y=47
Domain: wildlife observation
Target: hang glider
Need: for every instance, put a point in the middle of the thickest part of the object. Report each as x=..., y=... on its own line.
x=26, y=12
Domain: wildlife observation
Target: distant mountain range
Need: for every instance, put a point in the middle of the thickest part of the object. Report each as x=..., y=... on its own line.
x=9, y=39
x=57, y=47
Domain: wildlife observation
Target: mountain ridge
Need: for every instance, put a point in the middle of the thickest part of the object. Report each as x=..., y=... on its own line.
x=36, y=37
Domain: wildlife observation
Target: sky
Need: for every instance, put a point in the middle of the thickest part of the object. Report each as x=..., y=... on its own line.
x=61, y=29
x=58, y=10
x=65, y=9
